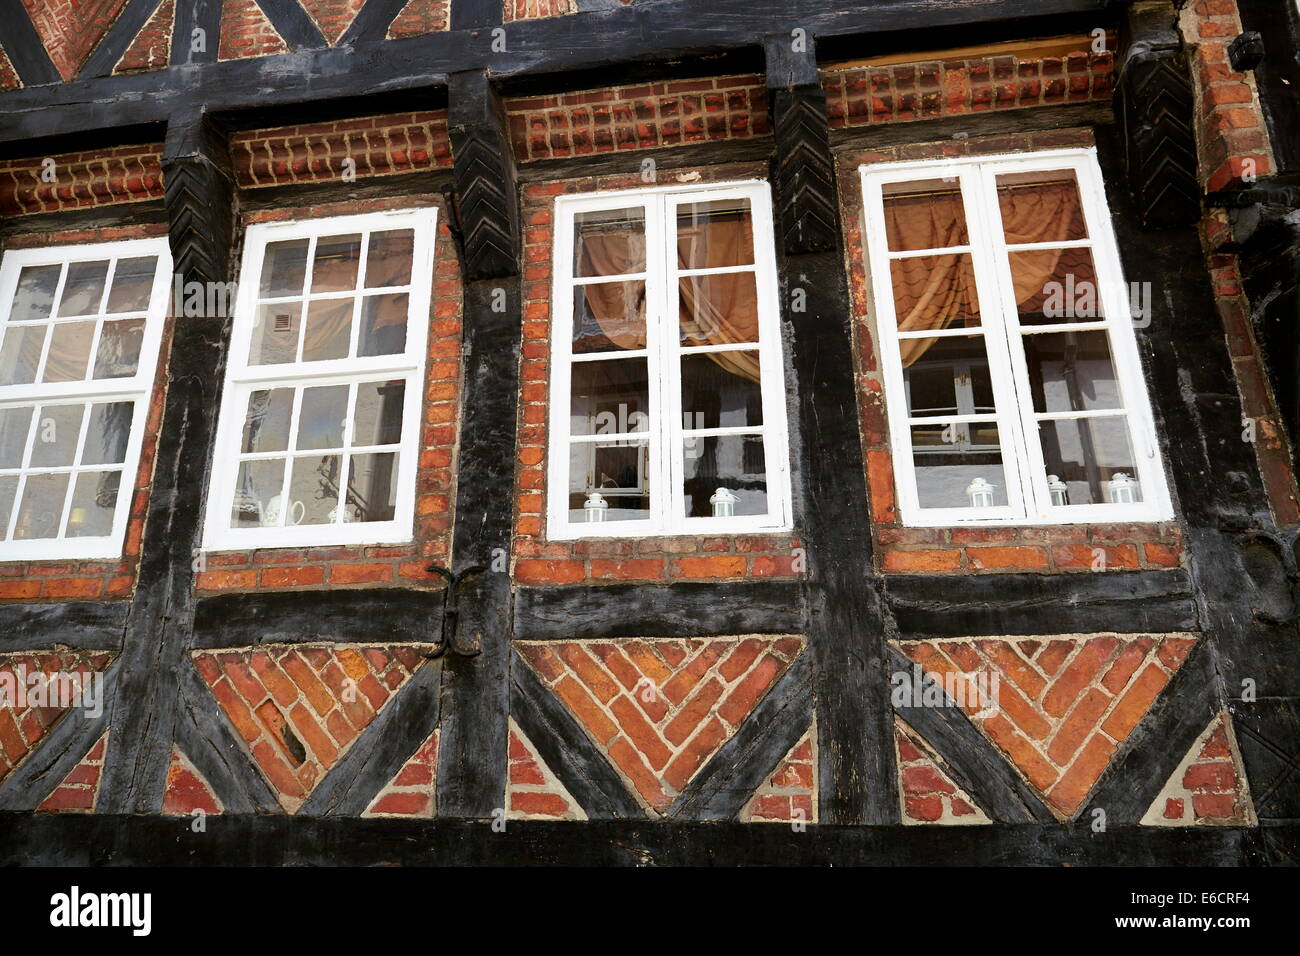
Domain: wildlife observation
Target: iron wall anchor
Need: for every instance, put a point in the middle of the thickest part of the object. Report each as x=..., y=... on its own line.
x=451, y=612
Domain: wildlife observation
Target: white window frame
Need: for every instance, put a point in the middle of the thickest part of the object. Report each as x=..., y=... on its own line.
x=137, y=390
x=242, y=379
x=663, y=352
x=1028, y=498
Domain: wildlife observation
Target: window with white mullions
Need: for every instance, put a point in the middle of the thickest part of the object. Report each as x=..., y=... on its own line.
x=1007, y=337
x=667, y=410
x=80, y=328
x=320, y=423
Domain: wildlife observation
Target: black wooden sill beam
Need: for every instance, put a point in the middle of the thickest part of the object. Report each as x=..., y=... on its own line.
x=650, y=30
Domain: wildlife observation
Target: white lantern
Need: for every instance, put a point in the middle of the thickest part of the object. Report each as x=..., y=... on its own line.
x=724, y=504
x=980, y=493
x=1059, y=490
x=1123, y=489
x=595, y=506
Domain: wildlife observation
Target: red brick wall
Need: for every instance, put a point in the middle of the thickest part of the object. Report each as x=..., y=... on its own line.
x=644, y=116
x=152, y=45
x=70, y=29
x=246, y=32
x=8, y=76
x=387, y=565
x=378, y=145
x=332, y=16
x=123, y=174
x=535, y=9
x=81, y=579
x=977, y=550
x=679, y=557
x=420, y=17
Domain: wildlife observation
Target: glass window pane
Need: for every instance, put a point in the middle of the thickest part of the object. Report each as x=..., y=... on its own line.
x=321, y=417
x=57, y=429
x=1093, y=457
x=284, y=268
x=383, y=324
x=721, y=390
x=21, y=353
x=257, y=494
x=275, y=334
x=947, y=376
x=335, y=266
x=718, y=309
x=15, y=423
x=34, y=297
x=69, y=352
x=935, y=292
x=41, y=510
x=717, y=479
x=388, y=260
x=378, y=416
x=314, y=490
x=609, y=397
x=107, y=434
x=1055, y=286
x=372, y=487
x=94, y=502
x=1041, y=206
x=615, y=473
x=1071, y=371
x=132, y=284
x=715, y=234
x=266, y=422
x=118, y=353
x=8, y=488
x=329, y=330
x=608, y=316
x=958, y=465
x=924, y=214
x=83, y=290
x=609, y=242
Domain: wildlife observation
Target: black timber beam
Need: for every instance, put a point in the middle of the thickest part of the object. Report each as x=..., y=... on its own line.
x=293, y=23
x=109, y=50
x=88, y=625
x=196, y=32
x=388, y=615
x=22, y=44
x=371, y=22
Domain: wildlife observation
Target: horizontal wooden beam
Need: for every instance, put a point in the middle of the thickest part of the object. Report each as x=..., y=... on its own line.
x=88, y=625
x=298, y=617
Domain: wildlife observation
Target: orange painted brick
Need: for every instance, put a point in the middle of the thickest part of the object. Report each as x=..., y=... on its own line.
x=292, y=577
x=224, y=580
x=360, y=573
x=922, y=560
x=1023, y=558
x=716, y=566
x=1133, y=706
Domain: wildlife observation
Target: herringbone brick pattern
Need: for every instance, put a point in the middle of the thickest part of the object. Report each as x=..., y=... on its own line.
x=413, y=791
x=27, y=712
x=536, y=9
x=659, y=708
x=420, y=17
x=789, y=795
x=246, y=32
x=1209, y=786
x=1064, y=704
x=77, y=792
x=187, y=791
x=926, y=792
x=332, y=16
x=532, y=791
x=299, y=708
x=8, y=75
x=152, y=45
x=70, y=29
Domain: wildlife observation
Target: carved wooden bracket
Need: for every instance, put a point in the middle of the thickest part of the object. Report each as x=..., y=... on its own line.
x=199, y=194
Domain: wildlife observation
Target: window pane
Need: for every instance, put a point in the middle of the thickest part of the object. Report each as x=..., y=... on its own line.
x=388, y=261
x=266, y=422
x=715, y=234
x=617, y=472
x=1090, y=455
x=718, y=309
x=372, y=487
x=947, y=376
x=314, y=490
x=1071, y=371
x=608, y=242
x=15, y=423
x=717, y=481
x=721, y=390
x=21, y=353
x=69, y=352
x=275, y=334
x=335, y=266
x=935, y=292
x=284, y=269
x=257, y=494
x=34, y=297
x=57, y=430
x=608, y=316
x=94, y=501
x=118, y=353
x=41, y=510
x=924, y=214
x=1041, y=206
x=8, y=488
x=107, y=434
x=329, y=330
x=378, y=416
x=958, y=465
x=609, y=397
x=321, y=417
x=1055, y=286
x=84, y=288
x=132, y=284
x=383, y=324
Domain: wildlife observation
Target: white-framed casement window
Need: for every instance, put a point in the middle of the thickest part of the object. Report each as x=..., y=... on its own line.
x=1012, y=377
x=667, y=411
x=320, y=422
x=80, y=328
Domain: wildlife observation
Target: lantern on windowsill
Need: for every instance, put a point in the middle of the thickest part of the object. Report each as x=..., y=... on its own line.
x=1059, y=490
x=724, y=503
x=1123, y=489
x=980, y=493
x=595, y=507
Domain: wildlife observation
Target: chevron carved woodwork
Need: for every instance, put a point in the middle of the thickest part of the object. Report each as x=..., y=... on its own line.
x=1154, y=103
x=660, y=708
x=199, y=194
x=483, y=164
